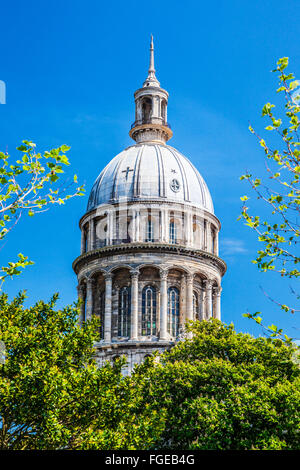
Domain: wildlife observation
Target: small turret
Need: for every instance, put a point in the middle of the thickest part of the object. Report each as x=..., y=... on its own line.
x=151, y=102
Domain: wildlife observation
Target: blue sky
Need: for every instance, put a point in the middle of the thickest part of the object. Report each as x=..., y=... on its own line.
x=71, y=69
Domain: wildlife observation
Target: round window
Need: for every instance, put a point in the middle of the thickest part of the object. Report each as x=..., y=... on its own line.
x=175, y=185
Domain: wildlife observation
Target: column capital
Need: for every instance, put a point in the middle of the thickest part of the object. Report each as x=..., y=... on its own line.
x=108, y=276
x=134, y=273
x=89, y=281
x=217, y=290
x=163, y=274
x=190, y=278
x=208, y=283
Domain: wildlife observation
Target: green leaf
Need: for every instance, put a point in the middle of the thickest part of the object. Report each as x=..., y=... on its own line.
x=64, y=148
x=282, y=63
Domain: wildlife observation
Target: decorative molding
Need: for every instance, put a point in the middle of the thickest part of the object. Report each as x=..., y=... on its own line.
x=105, y=251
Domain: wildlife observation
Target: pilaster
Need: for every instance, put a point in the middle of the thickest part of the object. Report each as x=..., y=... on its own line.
x=108, y=307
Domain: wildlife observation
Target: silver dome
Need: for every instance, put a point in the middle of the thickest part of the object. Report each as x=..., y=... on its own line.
x=150, y=171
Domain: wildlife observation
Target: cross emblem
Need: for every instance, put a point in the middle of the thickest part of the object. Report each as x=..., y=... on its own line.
x=128, y=169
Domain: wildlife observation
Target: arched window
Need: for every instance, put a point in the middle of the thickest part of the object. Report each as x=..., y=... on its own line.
x=85, y=240
x=195, y=306
x=173, y=311
x=101, y=313
x=146, y=110
x=149, y=311
x=173, y=232
x=105, y=232
x=163, y=110
x=124, y=312
x=149, y=230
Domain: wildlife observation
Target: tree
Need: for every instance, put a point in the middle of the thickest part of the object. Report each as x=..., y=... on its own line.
x=216, y=390
x=279, y=235
x=53, y=395
x=223, y=390
x=30, y=185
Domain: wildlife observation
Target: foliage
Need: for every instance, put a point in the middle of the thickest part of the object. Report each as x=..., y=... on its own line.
x=279, y=235
x=223, y=390
x=215, y=390
x=30, y=185
x=53, y=396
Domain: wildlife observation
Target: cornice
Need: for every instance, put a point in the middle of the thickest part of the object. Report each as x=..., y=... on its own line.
x=111, y=250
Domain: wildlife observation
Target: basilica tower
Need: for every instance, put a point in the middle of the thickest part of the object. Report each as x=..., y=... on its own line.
x=149, y=240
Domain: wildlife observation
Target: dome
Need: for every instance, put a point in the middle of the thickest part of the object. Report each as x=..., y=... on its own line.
x=150, y=171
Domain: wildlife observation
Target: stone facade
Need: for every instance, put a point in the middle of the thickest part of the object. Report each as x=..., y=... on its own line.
x=149, y=241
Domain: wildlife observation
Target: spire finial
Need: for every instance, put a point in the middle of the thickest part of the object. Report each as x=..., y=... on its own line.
x=151, y=80
x=151, y=66
x=151, y=102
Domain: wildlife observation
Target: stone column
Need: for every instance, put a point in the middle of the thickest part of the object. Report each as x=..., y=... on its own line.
x=189, y=297
x=133, y=225
x=107, y=229
x=155, y=107
x=80, y=291
x=137, y=225
x=202, y=307
x=89, y=299
x=217, y=302
x=91, y=236
x=208, y=237
x=191, y=229
x=110, y=227
x=216, y=243
x=204, y=235
x=134, y=304
x=208, y=299
x=163, y=304
x=92, y=222
x=163, y=225
x=82, y=247
x=108, y=305
x=188, y=228
x=166, y=226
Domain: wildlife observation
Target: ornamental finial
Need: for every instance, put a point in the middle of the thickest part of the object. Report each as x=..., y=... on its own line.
x=151, y=66
x=151, y=80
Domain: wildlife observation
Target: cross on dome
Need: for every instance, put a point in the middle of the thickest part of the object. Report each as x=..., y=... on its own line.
x=128, y=169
